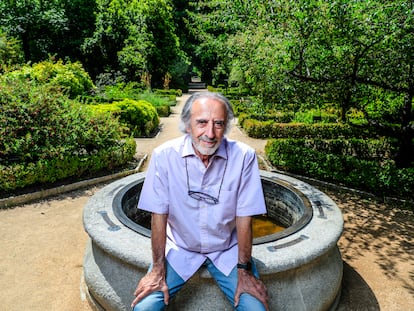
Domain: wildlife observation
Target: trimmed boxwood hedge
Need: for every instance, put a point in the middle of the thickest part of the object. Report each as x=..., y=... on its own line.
x=139, y=116
x=50, y=170
x=353, y=163
x=271, y=129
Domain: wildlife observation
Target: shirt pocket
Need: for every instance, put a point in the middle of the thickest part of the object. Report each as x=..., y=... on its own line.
x=224, y=212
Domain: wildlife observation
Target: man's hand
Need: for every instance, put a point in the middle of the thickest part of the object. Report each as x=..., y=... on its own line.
x=247, y=283
x=152, y=282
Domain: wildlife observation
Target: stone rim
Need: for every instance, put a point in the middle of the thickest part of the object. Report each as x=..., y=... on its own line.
x=320, y=234
x=305, y=218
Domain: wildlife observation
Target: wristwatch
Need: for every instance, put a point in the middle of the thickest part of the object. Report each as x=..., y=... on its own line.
x=245, y=266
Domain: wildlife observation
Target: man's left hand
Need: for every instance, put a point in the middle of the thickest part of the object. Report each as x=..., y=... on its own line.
x=247, y=283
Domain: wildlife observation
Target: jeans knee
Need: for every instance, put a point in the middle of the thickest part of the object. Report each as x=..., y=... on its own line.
x=248, y=303
x=153, y=302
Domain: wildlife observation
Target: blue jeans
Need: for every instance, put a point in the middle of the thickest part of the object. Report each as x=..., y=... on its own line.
x=227, y=284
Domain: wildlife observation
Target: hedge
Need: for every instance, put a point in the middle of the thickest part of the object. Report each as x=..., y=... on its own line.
x=270, y=129
x=371, y=174
x=139, y=116
x=46, y=171
x=45, y=136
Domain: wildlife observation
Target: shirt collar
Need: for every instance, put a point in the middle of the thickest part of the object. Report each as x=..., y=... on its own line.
x=188, y=148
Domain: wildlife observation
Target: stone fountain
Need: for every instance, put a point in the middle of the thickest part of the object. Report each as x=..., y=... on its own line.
x=301, y=265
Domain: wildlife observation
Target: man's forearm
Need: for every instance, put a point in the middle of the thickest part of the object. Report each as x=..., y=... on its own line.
x=158, y=239
x=154, y=280
x=245, y=238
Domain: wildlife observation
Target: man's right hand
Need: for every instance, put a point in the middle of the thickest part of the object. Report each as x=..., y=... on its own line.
x=152, y=282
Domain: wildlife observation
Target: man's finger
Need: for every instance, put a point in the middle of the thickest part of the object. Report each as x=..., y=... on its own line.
x=236, y=300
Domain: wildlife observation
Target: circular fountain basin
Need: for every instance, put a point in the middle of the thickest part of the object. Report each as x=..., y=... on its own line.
x=301, y=265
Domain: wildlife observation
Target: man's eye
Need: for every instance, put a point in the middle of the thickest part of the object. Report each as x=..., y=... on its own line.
x=219, y=124
x=216, y=124
x=201, y=122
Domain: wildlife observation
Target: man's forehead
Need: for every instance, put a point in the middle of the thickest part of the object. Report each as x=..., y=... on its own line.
x=206, y=103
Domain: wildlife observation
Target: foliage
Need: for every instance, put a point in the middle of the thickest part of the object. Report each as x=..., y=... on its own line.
x=44, y=133
x=54, y=27
x=341, y=163
x=39, y=122
x=10, y=52
x=121, y=90
x=270, y=129
x=160, y=99
x=348, y=53
x=134, y=37
x=70, y=77
x=139, y=116
x=345, y=61
x=276, y=117
x=39, y=25
x=49, y=170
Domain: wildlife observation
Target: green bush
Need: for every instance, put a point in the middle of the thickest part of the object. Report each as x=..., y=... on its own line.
x=162, y=101
x=344, y=167
x=70, y=77
x=277, y=117
x=313, y=116
x=45, y=136
x=270, y=129
x=48, y=170
x=140, y=117
x=120, y=91
x=167, y=93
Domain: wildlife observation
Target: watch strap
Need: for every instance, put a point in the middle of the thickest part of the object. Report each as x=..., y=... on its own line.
x=245, y=266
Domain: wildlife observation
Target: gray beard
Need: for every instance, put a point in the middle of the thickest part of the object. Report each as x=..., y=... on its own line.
x=205, y=151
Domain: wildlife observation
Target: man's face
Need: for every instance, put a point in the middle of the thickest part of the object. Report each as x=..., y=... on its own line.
x=207, y=125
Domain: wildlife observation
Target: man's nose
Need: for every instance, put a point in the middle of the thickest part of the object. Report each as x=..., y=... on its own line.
x=210, y=133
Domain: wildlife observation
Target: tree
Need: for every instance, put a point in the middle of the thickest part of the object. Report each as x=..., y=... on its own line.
x=352, y=54
x=47, y=28
x=364, y=55
x=136, y=37
x=37, y=24
x=10, y=52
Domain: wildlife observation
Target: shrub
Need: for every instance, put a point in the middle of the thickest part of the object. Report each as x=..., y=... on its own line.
x=48, y=170
x=161, y=103
x=167, y=93
x=161, y=100
x=70, y=77
x=270, y=129
x=332, y=162
x=314, y=115
x=276, y=117
x=140, y=117
x=45, y=136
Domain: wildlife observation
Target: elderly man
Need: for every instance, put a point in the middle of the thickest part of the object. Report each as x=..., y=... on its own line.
x=202, y=190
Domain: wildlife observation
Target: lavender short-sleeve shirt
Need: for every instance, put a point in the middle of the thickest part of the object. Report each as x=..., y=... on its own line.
x=197, y=230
